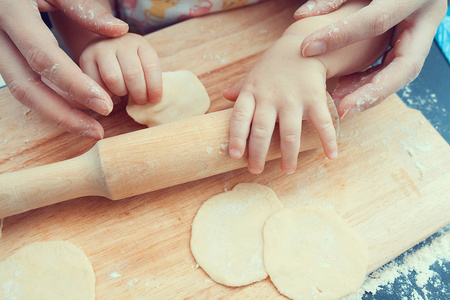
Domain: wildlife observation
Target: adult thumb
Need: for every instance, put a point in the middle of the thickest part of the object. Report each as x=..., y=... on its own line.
x=93, y=16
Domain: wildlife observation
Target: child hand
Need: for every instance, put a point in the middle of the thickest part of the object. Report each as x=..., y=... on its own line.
x=124, y=65
x=286, y=86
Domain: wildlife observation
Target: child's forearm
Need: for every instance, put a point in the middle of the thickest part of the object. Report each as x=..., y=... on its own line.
x=73, y=35
x=349, y=59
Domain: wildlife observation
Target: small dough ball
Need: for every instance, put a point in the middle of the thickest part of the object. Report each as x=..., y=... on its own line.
x=184, y=96
x=311, y=253
x=226, y=238
x=47, y=270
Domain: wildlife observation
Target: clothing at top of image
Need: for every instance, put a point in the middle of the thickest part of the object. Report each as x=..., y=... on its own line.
x=145, y=16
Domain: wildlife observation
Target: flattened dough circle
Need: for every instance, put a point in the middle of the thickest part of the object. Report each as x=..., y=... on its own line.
x=311, y=253
x=226, y=238
x=47, y=270
x=183, y=96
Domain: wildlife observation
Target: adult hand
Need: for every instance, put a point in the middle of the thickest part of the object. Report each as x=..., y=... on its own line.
x=29, y=50
x=415, y=24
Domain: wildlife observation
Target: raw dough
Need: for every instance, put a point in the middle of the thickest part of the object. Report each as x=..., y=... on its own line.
x=47, y=270
x=184, y=96
x=1, y=227
x=226, y=235
x=311, y=253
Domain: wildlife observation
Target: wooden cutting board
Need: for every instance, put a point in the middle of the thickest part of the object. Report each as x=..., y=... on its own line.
x=390, y=182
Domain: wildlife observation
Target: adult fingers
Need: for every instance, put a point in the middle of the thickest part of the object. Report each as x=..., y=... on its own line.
x=93, y=16
x=241, y=119
x=320, y=117
x=290, y=123
x=350, y=83
x=316, y=8
x=40, y=49
x=372, y=20
x=152, y=72
x=26, y=86
x=263, y=124
x=401, y=66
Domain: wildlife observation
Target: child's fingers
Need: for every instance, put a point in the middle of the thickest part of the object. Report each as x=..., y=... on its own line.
x=233, y=92
x=152, y=72
x=321, y=119
x=133, y=74
x=261, y=133
x=111, y=74
x=240, y=124
x=90, y=68
x=290, y=122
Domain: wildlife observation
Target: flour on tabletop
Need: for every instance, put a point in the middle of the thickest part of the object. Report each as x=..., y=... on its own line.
x=132, y=282
x=416, y=266
x=428, y=103
x=115, y=275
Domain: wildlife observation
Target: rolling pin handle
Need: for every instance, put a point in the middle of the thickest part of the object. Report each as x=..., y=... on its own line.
x=45, y=185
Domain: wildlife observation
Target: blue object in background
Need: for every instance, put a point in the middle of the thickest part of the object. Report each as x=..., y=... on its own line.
x=443, y=36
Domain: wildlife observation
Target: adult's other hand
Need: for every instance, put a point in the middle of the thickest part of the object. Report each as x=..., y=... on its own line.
x=30, y=56
x=415, y=24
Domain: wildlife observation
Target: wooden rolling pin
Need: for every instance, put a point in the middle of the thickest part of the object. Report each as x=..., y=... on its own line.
x=136, y=163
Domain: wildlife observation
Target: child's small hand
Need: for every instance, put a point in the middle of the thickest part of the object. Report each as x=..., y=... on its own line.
x=285, y=86
x=124, y=65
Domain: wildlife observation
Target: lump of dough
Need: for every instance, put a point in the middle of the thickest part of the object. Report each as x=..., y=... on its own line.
x=226, y=238
x=47, y=270
x=183, y=96
x=311, y=253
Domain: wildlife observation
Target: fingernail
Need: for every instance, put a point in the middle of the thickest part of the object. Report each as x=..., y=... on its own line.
x=333, y=155
x=235, y=153
x=289, y=172
x=255, y=170
x=111, y=20
x=93, y=134
x=351, y=112
x=314, y=48
x=155, y=100
x=99, y=106
x=305, y=9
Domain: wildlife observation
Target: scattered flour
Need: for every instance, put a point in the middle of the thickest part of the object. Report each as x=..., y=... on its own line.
x=115, y=275
x=414, y=267
x=431, y=107
x=132, y=282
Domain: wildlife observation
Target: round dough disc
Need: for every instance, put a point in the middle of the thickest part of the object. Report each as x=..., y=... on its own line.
x=47, y=270
x=311, y=253
x=184, y=96
x=226, y=235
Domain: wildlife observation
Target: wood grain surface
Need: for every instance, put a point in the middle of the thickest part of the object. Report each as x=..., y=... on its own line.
x=390, y=182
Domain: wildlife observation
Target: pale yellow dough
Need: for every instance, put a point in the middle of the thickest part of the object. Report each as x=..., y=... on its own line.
x=226, y=238
x=311, y=253
x=47, y=270
x=184, y=96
